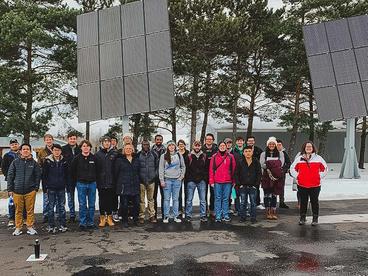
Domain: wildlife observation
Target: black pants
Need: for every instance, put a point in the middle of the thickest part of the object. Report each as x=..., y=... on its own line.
x=106, y=201
x=155, y=193
x=181, y=210
x=115, y=202
x=124, y=205
x=212, y=198
x=305, y=195
x=258, y=198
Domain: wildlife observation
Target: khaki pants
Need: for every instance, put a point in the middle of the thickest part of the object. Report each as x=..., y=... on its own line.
x=149, y=190
x=24, y=201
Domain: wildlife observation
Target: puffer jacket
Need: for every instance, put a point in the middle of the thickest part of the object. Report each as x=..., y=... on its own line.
x=148, y=167
x=54, y=174
x=222, y=168
x=8, y=159
x=24, y=176
x=127, y=176
x=106, y=160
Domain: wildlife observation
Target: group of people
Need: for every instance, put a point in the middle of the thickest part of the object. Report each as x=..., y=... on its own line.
x=128, y=182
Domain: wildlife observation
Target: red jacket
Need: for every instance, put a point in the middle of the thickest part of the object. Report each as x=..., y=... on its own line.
x=220, y=170
x=308, y=174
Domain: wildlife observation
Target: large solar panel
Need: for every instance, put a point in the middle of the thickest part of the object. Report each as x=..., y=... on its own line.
x=124, y=58
x=337, y=54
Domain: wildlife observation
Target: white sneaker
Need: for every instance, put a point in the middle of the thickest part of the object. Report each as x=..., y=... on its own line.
x=51, y=230
x=260, y=207
x=115, y=217
x=165, y=220
x=11, y=223
x=178, y=220
x=17, y=232
x=63, y=229
x=31, y=231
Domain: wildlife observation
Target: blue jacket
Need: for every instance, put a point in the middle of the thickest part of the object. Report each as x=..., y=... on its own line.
x=127, y=176
x=54, y=174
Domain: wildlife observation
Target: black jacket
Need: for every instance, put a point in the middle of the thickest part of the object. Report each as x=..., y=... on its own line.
x=248, y=175
x=54, y=174
x=106, y=161
x=68, y=155
x=148, y=167
x=287, y=163
x=84, y=169
x=127, y=176
x=7, y=160
x=257, y=152
x=209, y=153
x=196, y=168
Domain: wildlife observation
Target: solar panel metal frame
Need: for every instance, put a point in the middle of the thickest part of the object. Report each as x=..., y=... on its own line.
x=338, y=35
x=328, y=103
x=358, y=26
x=321, y=70
x=87, y=29
x=156, y=16
x=161, y=89
x=362, y=60
x=109, y=24
x=88, y=69
x=158, y=57
x=132, y=19
x=89, y=102
x=136, y=90
x=345, y=67
x=350, y=108
x=111, y=60
x=135, y=56
x=112, y=98
x=315, y=39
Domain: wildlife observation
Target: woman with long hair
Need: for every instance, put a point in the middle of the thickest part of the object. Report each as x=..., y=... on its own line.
x=308, y=169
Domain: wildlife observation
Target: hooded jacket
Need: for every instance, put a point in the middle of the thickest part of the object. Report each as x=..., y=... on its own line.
x=24, y=176
x=196, y=167
x=222, y=168
x=174, y=170
x=54, y=174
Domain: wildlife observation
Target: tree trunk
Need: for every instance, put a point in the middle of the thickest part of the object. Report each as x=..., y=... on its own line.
x=194, y=107
x=87, y=130
x=322, y=137
x=294, y=131
x=173, y=124
x=206, y=106
x=363, y=137
x=251, y=115
x=311, y=113
x=234, y=119
x=28, y=117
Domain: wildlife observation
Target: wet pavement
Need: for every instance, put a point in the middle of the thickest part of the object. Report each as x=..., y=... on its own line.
x=266, y=248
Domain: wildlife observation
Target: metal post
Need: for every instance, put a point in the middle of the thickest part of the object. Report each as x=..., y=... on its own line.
x=349, y=168
x=125, y=125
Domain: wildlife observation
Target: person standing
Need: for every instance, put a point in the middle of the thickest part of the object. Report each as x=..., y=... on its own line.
x=115, y=203
x=229, y=144
x=197, y=178
x=84, y=170
x=237, y=151
x=221, y=177
x=248, y=177
x=308, y=169
x=24, y=176
x=69, y=151
x=272, y=162
x=105, y=181
x=127, y=172
x=158, y=149
x=171, y=174
x=210, y=148
x=184, y=152
x=251, y=141
x=54, y=180
x=285, y=168
x=5, y=164
x=41, y=156
x=148, y=172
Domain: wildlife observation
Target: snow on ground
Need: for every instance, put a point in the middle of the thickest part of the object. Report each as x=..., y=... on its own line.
x=333, y=188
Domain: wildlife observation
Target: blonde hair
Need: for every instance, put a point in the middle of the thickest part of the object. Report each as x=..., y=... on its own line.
x=128, y=144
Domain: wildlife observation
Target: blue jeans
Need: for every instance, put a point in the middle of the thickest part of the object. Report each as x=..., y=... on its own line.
x=45, y=204
x=71, y=203
x=171, y=190
x=244, y=193
x=222, y=194
x=56, y=198
x=86, y=192
x=191, y=187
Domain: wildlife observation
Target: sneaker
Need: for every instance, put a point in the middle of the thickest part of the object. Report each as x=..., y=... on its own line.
x=141, y=221
x=165, y=220
x=31, y=231
x=231, y=211
x=260, y=207
x=247, y=214
x=51, y=230
x=315, y=221
x=218, y=220
x=17, y=232
x=226, y=219
x=177, y=220
x=115, y=217
x=63, y=229
x=302, y=221
x=204, y=219
x=11, y=223
x=153, y=220
x=283, y=205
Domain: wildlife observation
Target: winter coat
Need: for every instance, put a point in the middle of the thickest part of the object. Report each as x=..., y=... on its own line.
x=237, y=152
x=196, y=167
x=174, y=170
x=257, y=152
x=106, y=160
x=24, y=176
x=7, y=160
x=126, y=175
x=222, y=168
x=84, y=169
x=248, y=175
x=68, y=155
x=148, y=167
x=158, y=151
x=272, y=163
x=54, y=174
x=309, y=173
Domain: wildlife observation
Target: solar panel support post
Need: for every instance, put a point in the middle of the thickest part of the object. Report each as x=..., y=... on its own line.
x=349, y=168
x=125, y=124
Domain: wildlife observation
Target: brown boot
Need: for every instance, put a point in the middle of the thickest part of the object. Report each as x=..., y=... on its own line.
x=102, y=221
x=268, y=214
x=153, y=219
x=273, y=214
x=110, y=222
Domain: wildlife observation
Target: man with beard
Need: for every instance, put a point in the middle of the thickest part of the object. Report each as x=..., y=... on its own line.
x=158, y=149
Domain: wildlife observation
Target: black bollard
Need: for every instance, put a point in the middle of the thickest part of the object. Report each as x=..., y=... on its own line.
x=37, y=249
